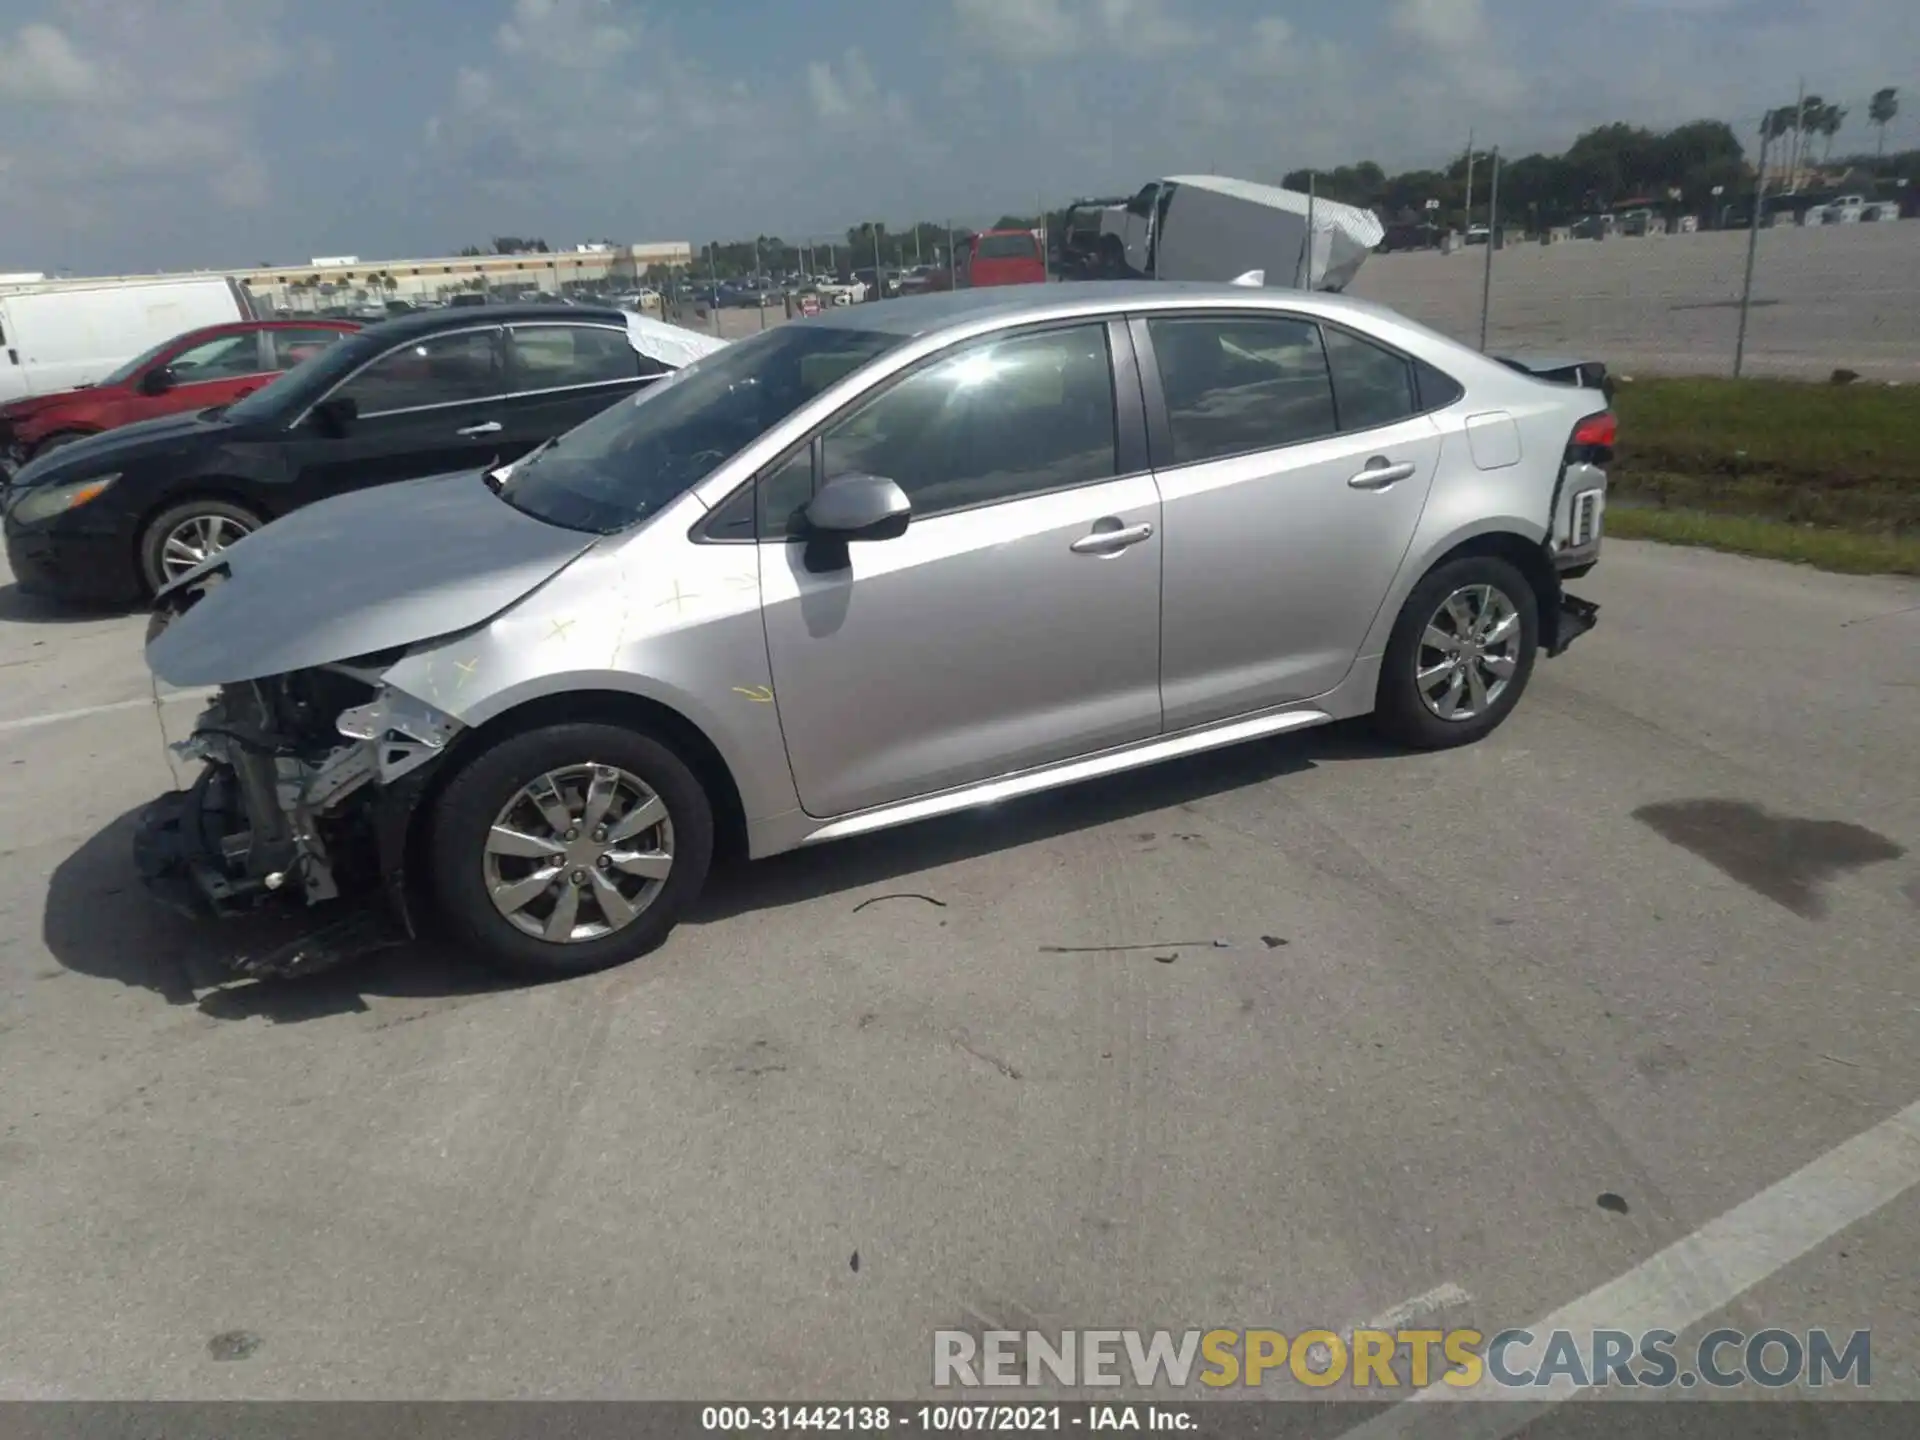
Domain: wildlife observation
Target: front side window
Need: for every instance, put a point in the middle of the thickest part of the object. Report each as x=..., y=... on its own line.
x=226, y=357
x=637, y=456
x=1373, y=386
x=1236, y=384
x=552, y=357
x=436, y=370
x=995, y=421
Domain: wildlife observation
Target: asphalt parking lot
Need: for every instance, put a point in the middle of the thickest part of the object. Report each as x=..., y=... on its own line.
x=1375, y=1034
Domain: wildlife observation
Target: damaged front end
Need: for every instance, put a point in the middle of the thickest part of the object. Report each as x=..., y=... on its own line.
x=307, y=786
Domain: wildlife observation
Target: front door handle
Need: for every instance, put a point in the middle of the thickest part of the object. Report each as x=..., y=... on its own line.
x=1380, y=473
x=491, y=427
x=1110, y=537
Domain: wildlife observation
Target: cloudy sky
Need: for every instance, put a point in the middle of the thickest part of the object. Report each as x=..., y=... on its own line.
x=137, y=134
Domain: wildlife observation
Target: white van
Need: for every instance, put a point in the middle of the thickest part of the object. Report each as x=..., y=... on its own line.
x=65, y=334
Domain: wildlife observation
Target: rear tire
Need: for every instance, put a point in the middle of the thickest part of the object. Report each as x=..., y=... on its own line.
x=206, y=524
x=534, y=902
x=1460, y=654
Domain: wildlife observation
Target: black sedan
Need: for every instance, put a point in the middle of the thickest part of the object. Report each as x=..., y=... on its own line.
x=114, y=517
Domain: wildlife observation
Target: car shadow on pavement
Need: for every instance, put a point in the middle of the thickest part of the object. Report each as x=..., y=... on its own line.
x=100, y=921
x=873, y=859
x=19, y=608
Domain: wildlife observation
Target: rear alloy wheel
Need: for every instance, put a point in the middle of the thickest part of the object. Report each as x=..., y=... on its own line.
x=1460, y=656
x=571, y=849
x=179, y=538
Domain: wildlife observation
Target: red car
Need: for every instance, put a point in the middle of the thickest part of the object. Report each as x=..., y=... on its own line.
x=1006, y=257
x=212, y=366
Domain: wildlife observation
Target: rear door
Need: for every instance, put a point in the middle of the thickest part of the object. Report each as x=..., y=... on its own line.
x=561, y=374
x=1293, y=465
x=1016, y=622
x=426, y=407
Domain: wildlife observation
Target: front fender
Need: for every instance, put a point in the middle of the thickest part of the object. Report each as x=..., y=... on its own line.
x=693, y=643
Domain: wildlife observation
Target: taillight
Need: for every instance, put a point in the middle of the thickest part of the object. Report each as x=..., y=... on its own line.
x=1596, y=432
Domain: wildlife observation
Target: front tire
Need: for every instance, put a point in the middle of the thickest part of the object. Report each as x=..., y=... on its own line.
x=1460, y=654
x=55, y=441
x=181, y=536
x=570, y=849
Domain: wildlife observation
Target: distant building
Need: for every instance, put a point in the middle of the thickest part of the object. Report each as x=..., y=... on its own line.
x=331, y=280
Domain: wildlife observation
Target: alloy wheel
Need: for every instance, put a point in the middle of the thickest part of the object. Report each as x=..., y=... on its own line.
x=198, y=538
x=578, y=853
x=1468, y=653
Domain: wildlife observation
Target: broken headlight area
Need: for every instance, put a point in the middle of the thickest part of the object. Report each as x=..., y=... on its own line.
x=306, y=784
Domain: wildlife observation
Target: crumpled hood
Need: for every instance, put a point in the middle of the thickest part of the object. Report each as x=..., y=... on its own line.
x=32, y=405
x=374, y=570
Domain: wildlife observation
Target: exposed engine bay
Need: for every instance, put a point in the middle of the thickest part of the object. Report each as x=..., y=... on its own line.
x=306, y=786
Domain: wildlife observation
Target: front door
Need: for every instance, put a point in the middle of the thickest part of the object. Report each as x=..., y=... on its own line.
x=1293, y=469
x=427, y=407
x=1016, y=622
x=215, y=371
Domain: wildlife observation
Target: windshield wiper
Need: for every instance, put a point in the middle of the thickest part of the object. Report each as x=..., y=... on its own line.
x=497, y=474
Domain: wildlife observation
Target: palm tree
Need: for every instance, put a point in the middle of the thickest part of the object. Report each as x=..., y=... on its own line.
x=1880, y=112
x=1826, y=123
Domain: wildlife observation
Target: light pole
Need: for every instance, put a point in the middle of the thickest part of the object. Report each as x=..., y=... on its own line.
x=1719, y=210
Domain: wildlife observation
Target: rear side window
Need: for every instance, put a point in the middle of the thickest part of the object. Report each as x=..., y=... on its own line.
x=1372, y=386
x=552, y=357
x=1436, y=388
x=287, y=348
x=1008, y=247
x=1238, y=384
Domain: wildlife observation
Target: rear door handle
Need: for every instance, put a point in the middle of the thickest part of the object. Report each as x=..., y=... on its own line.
x=1112, y=539
x=1380, y=473
x=491, y=427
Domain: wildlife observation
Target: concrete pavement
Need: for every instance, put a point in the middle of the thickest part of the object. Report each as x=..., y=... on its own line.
x=1654, y=940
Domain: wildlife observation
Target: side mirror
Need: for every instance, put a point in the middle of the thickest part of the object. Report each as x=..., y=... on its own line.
x=859, y=507
x=335, y=416
x=848, y=508
x=159, y=380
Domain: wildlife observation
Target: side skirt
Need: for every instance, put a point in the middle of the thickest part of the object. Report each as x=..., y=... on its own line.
x=1067, y=772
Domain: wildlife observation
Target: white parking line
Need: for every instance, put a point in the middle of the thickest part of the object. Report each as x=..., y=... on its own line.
x=1687, y=1281
x=29, y=722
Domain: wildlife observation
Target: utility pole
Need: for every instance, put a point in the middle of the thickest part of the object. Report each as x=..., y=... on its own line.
x=1493, y=229
x=1799, y=120
x=1469, y=179
x=1753, y=242
x=879, y=277
x=953, y=261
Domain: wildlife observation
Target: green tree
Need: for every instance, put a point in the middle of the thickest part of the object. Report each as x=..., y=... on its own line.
x=1880, y=112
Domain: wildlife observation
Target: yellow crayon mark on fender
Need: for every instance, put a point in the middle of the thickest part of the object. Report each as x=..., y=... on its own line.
x=678, y=599
x=759, y=694
x=559, y=630
x=743, y=582
x=466, y=669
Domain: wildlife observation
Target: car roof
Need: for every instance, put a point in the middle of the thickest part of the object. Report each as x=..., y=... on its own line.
x=465, y=317
x=951, y=309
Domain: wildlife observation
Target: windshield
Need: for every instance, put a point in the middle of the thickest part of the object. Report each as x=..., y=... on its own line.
x=629, y=461
x=139, y=362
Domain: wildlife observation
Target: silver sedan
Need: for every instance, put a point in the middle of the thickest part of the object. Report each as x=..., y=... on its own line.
x=861, y=570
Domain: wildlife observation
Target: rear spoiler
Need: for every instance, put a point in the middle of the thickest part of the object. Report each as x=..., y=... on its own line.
x=1584, y=374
